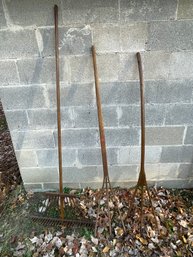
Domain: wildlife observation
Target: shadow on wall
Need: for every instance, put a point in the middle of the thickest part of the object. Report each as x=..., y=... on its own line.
x=34, y=79
x=8, y=163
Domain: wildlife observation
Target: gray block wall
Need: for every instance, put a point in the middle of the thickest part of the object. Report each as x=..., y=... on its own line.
x=161, y=30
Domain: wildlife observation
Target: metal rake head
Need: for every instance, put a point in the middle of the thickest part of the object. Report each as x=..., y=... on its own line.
x=45, y=208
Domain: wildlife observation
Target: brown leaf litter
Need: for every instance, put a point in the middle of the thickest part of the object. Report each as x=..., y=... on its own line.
x=173, y=238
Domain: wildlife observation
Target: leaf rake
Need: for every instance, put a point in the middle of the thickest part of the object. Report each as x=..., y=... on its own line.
x=63, y=208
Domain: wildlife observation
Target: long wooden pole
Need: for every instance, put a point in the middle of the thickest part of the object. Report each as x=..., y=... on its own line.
x=142, y=177
x=100, y=116
x=58, y=110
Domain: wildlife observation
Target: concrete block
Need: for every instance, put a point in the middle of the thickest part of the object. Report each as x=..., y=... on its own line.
x=47, y=187
x=26, y=158
x=84, y=12
x=177, y=154
x=34, y=139
x=93, y=156
x=49, y=158
x=81, y=69
x=124, y=184
x=75, y=138
x=128, y=69
x=170, y=36
x=2, y=17
x=156, y=65
x=120, y=93
x=72, y=40
x=7, y=77
x=179, y=114
x=147, y=10
x=167, y=91
x=33, y=187
x=81, y=175
x=189, y=136
x=175, y=183
x=47, y=118
x=185, y=171
x=73, y=95
x=122, y=137
x=154, y=115
x=87, y=117
x=163, y=171
x=185, y=9
x=123, y=173
x=180, y=66
x=17, y=120
x=133, y=37
x=41, y=70
x=55, y=186
x=164, y=135
x=132, y=155
x=106, y=38
x=39, y=175
x=18, y=44
x=36, y=13
x=25, y=97
x=98, y=185
x=130, y=115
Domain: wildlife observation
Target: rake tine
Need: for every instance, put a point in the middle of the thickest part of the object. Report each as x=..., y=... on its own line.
x=109, y=214
x=142, y=199
x=98, y=209
x=132, y=199
x=152, y=208
x=122, y=222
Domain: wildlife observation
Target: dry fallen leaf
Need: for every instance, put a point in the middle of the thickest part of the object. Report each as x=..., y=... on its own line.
x=184, y=239
x=94, y=249
x=173, y=246
x=106, y=249
x=151, y=246
x=114, y=241
x=119, y=231
x=94, y=240
x=142, y=240
x=183, y=223
x=34, y=240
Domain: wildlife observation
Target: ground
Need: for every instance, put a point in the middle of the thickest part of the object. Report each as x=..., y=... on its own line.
x=20, y=236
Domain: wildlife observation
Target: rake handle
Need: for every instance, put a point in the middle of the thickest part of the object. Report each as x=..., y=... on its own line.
x=58, y=107
x=142, y=176
x=100, y=116
x=141, y=79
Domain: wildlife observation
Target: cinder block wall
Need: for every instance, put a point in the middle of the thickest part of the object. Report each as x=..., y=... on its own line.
x=161, y=30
